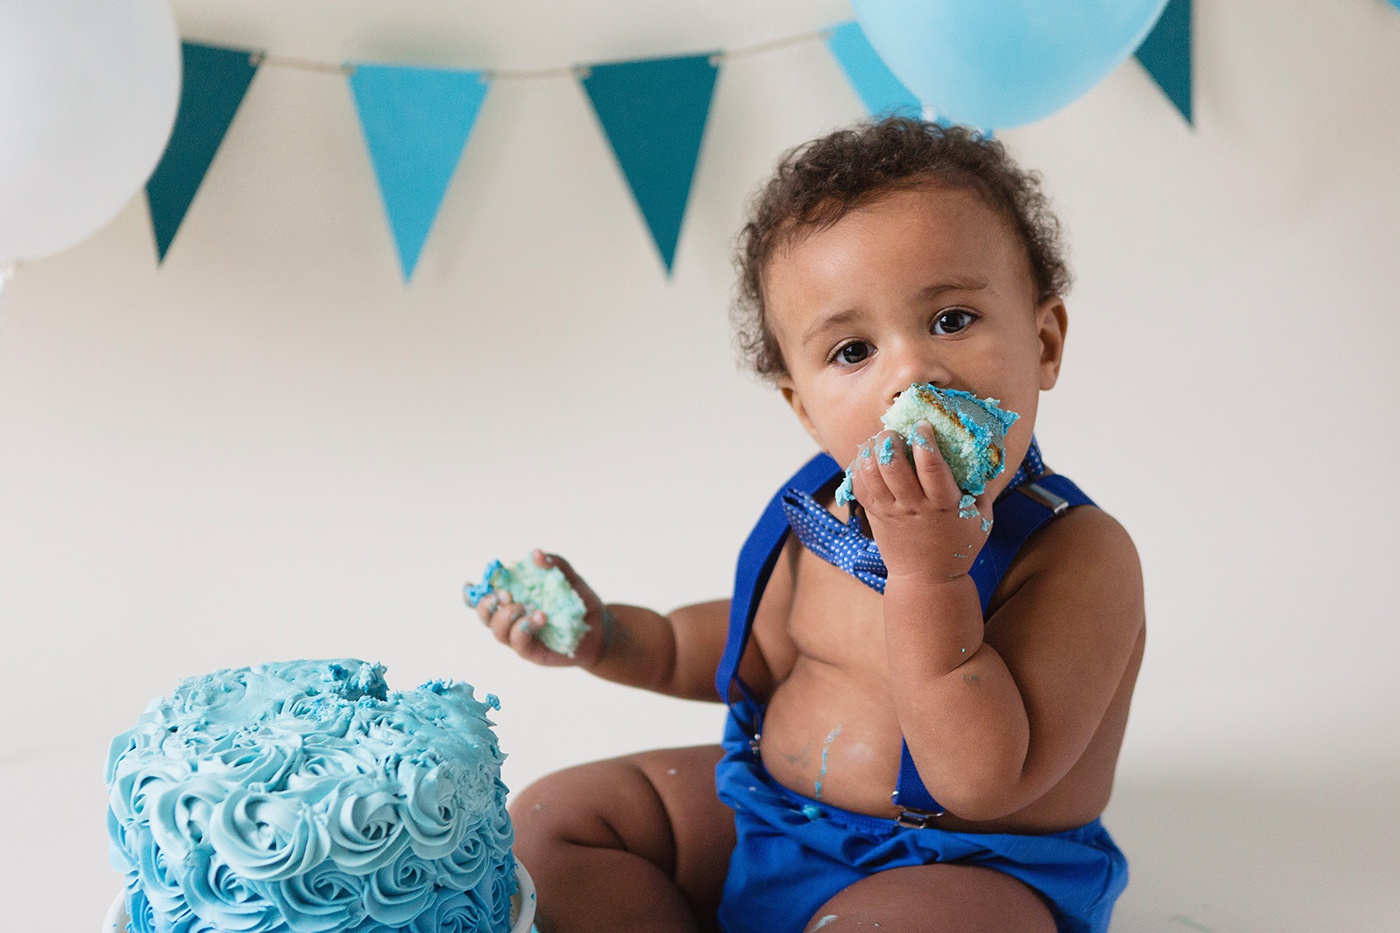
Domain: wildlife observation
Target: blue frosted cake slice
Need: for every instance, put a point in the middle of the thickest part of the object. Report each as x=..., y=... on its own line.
x=545, y=589
x=970, y=433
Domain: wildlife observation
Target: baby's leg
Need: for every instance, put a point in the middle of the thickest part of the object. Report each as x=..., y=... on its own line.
x=935, y=899
x=633, y=843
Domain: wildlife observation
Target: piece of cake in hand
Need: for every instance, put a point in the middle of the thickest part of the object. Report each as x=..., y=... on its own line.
x=970, y=433
x=542, y=589
x=305, y=796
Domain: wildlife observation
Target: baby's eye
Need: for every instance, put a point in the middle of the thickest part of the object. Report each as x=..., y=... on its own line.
x=851, y=353
x=952, y=321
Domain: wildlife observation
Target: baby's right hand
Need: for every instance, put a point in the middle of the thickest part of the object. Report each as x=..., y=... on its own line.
x=513, y=626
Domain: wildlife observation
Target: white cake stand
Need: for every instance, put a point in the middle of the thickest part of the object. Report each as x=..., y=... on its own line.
x=522, y=906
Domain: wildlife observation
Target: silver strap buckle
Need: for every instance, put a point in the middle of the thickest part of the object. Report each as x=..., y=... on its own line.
x=1045, y=497
x=910, y=816
x=918, y=819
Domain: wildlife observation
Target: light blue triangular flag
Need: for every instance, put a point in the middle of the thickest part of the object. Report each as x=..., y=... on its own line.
x=1166, y=54
x=213, y=82
x=416, y=122
x=653, y=113
x=878, y=88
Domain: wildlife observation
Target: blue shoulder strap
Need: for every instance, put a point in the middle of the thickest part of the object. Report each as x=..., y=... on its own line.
x=756, y=561
x=1015, y=517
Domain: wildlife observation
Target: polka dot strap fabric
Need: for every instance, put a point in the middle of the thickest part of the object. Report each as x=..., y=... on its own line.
x=1032, y=468
x=845, y=545
x=842, y=545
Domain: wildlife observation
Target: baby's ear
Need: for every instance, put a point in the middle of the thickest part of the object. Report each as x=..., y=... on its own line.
x=1051, y=321
x=789, y=392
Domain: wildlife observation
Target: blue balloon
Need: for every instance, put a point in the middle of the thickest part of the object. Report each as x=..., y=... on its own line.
x=1002, y=63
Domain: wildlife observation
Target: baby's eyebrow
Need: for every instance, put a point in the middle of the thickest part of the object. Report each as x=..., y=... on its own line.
x=952, y=285
x=830, y=322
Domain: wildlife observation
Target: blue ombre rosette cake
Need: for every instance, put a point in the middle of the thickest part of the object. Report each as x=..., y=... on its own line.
x=305, y=796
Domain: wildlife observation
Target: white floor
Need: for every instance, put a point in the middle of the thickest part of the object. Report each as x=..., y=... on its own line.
x=1227, y=853
x=1290, y=853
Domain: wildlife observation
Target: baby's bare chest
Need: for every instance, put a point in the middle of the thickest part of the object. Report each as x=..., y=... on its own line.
x=834, y=618
x=830, y=730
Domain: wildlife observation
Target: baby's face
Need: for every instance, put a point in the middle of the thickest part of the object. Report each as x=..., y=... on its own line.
x=928, y=285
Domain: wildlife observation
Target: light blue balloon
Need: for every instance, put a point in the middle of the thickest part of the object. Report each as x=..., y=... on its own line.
x=1002, y=63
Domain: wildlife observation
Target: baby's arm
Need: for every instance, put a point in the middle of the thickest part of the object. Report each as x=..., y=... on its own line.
x=996, y=715
x=675, y=654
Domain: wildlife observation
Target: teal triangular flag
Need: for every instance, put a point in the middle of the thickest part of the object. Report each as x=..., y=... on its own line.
x=1166, y=54
x=416, y=122
x=878, y=88
x=213, y=84
x=653, y=113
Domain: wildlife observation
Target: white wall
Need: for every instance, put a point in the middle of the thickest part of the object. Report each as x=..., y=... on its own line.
x=270, y=447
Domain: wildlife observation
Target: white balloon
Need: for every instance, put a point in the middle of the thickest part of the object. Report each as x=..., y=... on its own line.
x=88, y=94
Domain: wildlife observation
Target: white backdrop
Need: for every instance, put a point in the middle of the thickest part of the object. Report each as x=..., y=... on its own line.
x=272, y=448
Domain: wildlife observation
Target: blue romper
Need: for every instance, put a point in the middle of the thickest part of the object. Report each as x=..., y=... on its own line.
x=794, y=853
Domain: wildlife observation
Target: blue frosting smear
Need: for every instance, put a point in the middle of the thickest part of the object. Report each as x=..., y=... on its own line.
x=306, y=796
x=476, y=592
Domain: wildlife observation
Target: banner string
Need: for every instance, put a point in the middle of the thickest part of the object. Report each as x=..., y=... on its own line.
x=817, y=35
x=261, y=58
x=258, y=59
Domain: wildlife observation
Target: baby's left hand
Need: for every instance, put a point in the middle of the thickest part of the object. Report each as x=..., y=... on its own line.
x=913, y=509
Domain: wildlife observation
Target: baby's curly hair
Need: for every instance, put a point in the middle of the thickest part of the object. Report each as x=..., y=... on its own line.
x=817, y=183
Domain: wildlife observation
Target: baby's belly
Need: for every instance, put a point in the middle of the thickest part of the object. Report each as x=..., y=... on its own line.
x=833, y=737
x=830, y=733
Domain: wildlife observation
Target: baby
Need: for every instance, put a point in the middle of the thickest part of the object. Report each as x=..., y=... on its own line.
x=921, y=736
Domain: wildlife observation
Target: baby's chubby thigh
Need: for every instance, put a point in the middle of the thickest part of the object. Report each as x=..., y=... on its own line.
x=938, y=898
x=642, y=836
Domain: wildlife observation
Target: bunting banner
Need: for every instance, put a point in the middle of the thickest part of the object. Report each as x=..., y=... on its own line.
x=213, y=83
x=415, y=122
x=1166, y=54
x=874, y=83
x=653, y=113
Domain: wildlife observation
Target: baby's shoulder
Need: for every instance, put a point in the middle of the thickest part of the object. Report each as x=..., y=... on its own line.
x=1085, y=550
x=1086, y=531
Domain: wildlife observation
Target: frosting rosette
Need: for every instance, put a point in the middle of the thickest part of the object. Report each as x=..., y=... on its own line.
x=306, y=796
x=460, y=913
x=325, y=899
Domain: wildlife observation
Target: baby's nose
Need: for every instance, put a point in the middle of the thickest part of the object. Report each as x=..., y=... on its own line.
x=916, y=359
x=910, y=375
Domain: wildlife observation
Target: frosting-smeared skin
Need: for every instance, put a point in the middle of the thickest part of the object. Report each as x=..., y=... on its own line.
x=305, y=796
